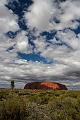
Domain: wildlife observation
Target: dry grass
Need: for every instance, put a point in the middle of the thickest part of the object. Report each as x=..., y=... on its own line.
x=40, y=105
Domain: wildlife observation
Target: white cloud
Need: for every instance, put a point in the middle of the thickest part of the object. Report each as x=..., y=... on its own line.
x=66, y=12
x=8, y=21
x=27, y=70
x=67, y=55
x=70, y=38
x=22, y=44
x=3, y=2
x=6, y=43
x=39, y=14
x=71, y=10
x=42, y=12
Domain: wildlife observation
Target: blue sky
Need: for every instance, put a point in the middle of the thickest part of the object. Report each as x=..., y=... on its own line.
x=40, y=39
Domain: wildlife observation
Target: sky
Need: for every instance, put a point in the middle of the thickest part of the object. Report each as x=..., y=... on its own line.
x=40, y=41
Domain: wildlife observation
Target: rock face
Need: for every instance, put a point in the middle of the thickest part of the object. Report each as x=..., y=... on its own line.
x=45, y=86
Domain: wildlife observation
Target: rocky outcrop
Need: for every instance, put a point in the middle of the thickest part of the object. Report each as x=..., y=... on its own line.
x=45, y=86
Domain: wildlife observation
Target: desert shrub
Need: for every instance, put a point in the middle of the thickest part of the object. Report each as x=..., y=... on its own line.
x=40, y=105
x=12, y=109
x=3, y=94
x=36, y=112
x=39, y=100
x=64, y=109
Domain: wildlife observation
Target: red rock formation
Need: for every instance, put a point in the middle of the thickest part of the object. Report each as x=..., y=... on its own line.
x=45, y=86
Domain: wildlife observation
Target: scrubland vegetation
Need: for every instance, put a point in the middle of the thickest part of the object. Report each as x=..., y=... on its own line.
x=40, y=105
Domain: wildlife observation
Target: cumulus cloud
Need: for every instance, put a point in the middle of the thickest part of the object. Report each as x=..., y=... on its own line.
x=69, y=38
x=8, y=21
x=68, y=52
x=71, y=10
x=42, y=15
x=22, y=42
x=3, y=2
x=39, y=14
x=67, y=13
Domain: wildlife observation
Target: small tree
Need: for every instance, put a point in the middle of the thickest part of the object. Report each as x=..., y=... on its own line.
x=12, y=84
